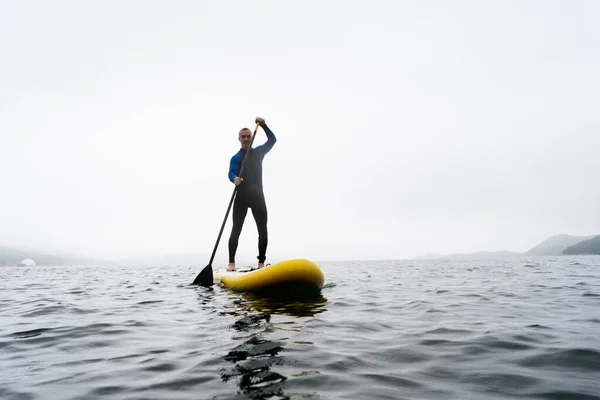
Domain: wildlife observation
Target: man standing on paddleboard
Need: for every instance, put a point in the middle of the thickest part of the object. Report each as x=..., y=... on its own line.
x=250, y=190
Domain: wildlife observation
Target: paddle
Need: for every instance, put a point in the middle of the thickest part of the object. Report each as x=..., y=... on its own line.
x=205, y=277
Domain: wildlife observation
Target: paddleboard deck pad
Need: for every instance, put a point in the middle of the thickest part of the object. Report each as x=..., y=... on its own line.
x=297, y=275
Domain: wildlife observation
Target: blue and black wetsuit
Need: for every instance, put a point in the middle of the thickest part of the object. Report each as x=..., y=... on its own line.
x=250, y=194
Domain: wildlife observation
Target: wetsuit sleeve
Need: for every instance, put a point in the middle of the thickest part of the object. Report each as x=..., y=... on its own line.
x=271, y=139
x=233, y=167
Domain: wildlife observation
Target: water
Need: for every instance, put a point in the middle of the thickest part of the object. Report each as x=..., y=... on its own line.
x=411, y=329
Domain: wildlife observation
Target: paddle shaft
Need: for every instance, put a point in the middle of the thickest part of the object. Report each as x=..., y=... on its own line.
x=232, y=197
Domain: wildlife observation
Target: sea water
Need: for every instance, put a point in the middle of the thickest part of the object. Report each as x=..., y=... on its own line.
x=526, y=328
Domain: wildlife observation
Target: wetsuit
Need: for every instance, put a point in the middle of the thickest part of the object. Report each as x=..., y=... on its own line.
x=250, y=194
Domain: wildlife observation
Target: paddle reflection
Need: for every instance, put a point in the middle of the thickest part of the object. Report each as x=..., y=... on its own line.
x=253, y=361
x=257, y=359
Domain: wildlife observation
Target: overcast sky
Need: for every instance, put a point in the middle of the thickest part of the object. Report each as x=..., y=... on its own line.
x=403, y=127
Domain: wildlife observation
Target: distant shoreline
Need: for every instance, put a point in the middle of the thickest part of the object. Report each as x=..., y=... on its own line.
x=556, y=245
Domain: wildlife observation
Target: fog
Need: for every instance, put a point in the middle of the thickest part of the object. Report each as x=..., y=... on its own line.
x=403, y=127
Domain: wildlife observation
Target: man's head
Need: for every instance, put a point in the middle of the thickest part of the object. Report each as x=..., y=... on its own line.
x=245, y=137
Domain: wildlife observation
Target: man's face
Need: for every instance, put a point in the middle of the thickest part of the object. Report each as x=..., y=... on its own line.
x=245, y=136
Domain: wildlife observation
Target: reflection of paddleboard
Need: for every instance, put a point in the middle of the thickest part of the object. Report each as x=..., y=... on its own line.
x=295, y=274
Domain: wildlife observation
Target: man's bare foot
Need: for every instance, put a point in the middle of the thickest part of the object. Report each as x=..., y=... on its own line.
x=231, y=267
x=261, y=265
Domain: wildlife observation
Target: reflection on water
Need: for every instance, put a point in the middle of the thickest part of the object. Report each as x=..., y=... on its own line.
x=275, y=305
x=257, y=361
x=253, y=361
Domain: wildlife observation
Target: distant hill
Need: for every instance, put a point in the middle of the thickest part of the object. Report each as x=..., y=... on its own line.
x=11, y=256
x=165, y=260
x=589, y=246
x=490, y=255
x=554, y=245
x=484, y=254
x=429, y=256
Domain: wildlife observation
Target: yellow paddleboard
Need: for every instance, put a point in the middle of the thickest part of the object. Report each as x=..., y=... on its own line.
x=295, y=274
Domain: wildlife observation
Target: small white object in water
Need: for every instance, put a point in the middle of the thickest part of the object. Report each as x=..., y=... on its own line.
x=28, y=262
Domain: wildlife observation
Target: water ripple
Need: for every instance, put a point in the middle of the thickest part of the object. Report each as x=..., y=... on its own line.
x=418, y=329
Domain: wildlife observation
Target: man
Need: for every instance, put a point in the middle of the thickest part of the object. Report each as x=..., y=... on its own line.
x=250, y=191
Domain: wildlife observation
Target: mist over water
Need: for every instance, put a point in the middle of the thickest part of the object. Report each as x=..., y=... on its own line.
x=407, y=329
x=403, y=128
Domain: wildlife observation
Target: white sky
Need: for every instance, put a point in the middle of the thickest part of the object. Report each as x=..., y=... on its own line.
x=404, y=127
